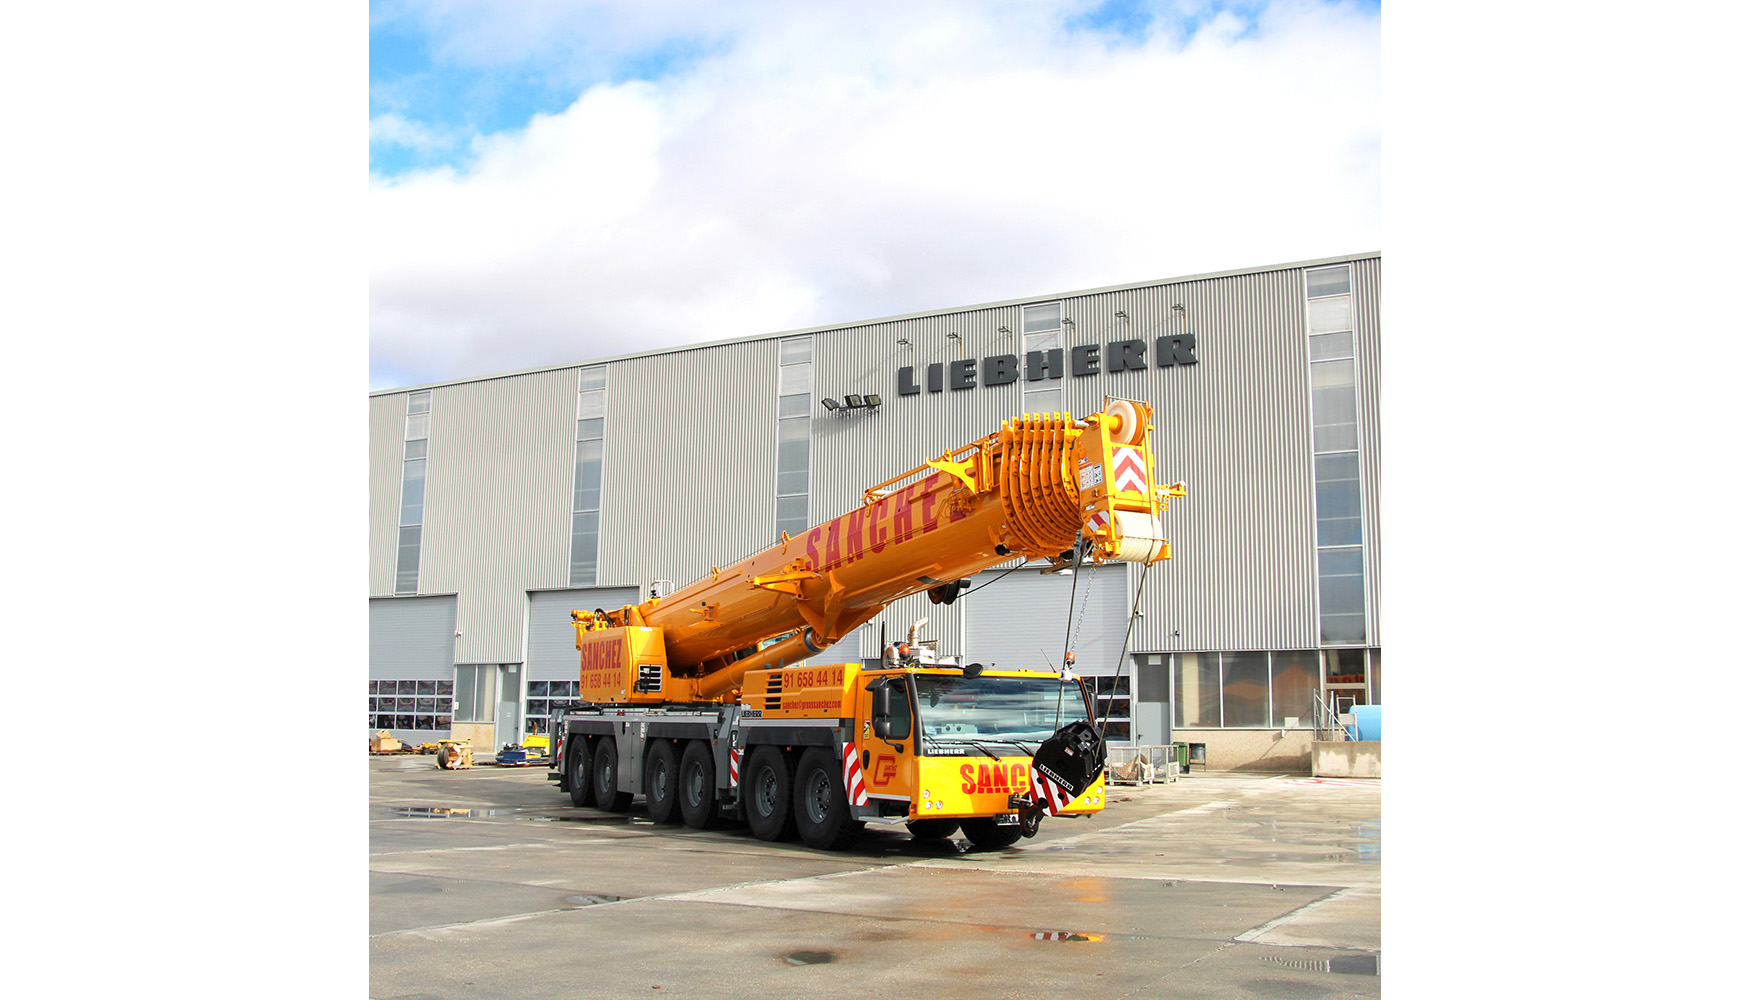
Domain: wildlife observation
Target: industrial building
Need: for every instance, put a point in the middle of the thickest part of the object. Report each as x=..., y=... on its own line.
x=499, y=504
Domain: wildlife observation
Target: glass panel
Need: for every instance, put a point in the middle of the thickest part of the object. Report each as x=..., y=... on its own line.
x=592, y=378
x=1373, y=678
x=591, y=428
x=794, y=379
x=1042, y=401
x=1332, y=345
x=426, y=705
x=1345, y=666
x=1245, y=690
x=796, y=349
x=1035, y=319
x=422, y=722
x=404, y=704
x=1326, y=315
x=795, y=405
x=407, y=561
x=406, y=687
x=792, y=456
x=1327, y=281
x=441, y=721
x=537, y=689
x=445, y=688
x=417, y=425
x=591, y=404
x=419, y=402
x=413, y=449
x=792, y=515
x=404, y=722
x=427, y=687
x=383, y=722
x=1342, y=628
x=588, y=492
x=1040, y=341
x=1199, y=685
x=466, y=678
x=583, y=548
x=413, y=494
x=1294, y=682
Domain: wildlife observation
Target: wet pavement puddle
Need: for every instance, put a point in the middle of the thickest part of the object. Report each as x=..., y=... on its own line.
x=810, y=957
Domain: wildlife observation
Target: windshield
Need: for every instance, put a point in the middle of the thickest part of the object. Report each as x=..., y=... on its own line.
x=990, y=716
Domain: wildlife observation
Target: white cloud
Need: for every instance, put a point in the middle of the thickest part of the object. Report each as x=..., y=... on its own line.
x=825, y=167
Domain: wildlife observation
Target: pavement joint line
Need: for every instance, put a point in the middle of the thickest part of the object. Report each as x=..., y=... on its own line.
x=488, y=921
x=452, y=850
x=1299, y=911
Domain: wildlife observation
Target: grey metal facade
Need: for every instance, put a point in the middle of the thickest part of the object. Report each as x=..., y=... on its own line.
x=689, y=458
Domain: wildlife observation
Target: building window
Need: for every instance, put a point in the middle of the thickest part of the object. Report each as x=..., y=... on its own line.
x=1042, y=358
x=422, y=706
x=417, y=429
x=1112, y=705
x=586, y=483
x=795, y=411
x=1336, y=444
x=476, y=692
x=545, y=699
x=1259, y=690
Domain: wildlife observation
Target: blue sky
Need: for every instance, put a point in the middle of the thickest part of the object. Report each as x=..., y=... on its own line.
x=702, y=170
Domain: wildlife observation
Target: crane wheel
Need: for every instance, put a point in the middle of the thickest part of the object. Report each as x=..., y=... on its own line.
x=988, y=834
x=662, y=782
x=823, y=815
x=698, y=786
x=605, y=772
x=933, y=829
x=765, y=790
x=577, y=771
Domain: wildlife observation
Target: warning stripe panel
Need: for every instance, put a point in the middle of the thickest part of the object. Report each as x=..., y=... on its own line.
x=855, y=788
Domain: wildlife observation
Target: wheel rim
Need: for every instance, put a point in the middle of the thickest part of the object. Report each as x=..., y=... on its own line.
x=818, y=798
x=693, y=784
x=579, y=773
x=659, y=782
x=766, y=792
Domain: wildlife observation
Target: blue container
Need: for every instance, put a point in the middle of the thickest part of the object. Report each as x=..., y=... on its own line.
x=1366, y=722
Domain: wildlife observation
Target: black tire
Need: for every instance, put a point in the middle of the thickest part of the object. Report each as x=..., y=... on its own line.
x=765, y=789
x=823, y=815
x=697, y=788
x=662, y=782
x=577, y=773
x=987, y=834
x=605, y=772
x=933, y=829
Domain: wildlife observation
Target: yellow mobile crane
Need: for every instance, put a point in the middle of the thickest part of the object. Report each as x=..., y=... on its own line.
x=693, y=698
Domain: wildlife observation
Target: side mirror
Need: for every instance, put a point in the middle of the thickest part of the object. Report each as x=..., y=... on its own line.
x=881, y=709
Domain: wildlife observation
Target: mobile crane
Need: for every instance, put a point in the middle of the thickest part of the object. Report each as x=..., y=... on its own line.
x=697, y=698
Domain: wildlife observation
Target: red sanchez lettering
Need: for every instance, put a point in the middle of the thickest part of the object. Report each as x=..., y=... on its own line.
x=1006, y=778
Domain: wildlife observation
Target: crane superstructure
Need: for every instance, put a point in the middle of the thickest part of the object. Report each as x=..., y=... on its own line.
x=676, y=690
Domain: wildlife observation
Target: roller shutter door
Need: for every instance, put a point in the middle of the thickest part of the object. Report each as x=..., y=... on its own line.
x=413, y=638
x=552, y=640
x=412, y=666
x=1018, y=622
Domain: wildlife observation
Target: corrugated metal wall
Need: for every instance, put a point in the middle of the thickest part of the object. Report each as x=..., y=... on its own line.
x=498, y=503
x=689, y=464
x=388, y=425
x=689, y=459
x=1366, y=279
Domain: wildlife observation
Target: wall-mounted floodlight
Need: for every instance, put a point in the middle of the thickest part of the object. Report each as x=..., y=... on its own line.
x=1121, y=314
x=831, y=404
x=871, y=401
x=853, y=402
x=904, y=341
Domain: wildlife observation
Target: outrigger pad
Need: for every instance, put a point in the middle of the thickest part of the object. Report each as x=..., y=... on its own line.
x=1072, y=758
